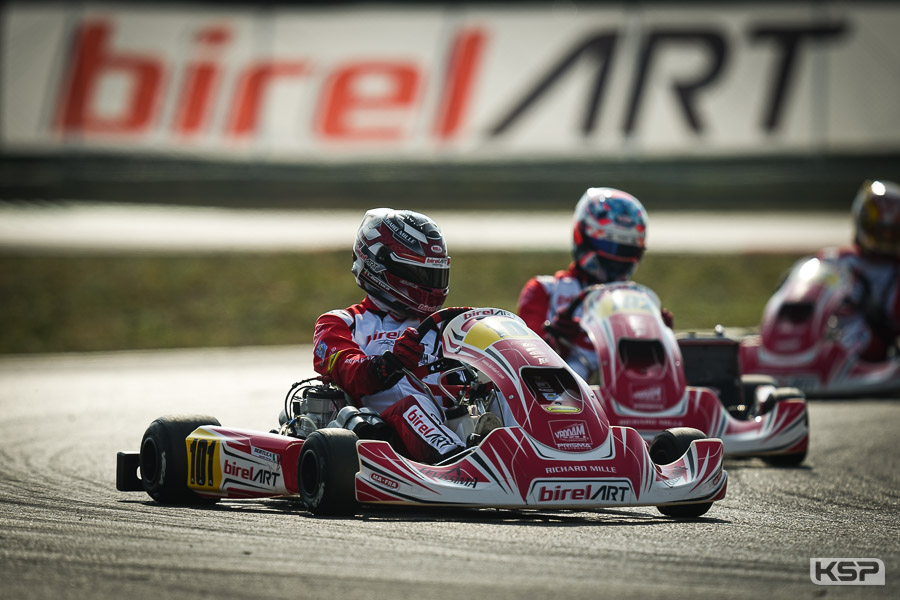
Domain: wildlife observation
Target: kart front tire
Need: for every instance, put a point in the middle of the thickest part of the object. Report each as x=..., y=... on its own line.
x=780, y=395
x=785, y=460
x=667, y=447
x=749, y=384
x=326, y=472
x=164, y=460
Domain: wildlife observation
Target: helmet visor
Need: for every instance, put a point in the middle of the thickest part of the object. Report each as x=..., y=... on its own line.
x=884, y=239
x=617, y=251
x=432, y=276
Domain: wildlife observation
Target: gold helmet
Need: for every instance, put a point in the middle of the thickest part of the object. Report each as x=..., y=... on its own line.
x=876, y=217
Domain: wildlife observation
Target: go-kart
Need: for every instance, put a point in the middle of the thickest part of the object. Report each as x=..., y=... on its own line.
x=810, y=337
x=554, y=450
x=649, y=379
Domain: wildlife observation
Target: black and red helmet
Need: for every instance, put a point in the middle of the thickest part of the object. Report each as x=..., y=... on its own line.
x=876, y=218
x=400, y=259
x=609, y=234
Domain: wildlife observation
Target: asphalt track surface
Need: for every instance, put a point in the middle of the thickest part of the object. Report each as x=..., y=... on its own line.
x=65, y=532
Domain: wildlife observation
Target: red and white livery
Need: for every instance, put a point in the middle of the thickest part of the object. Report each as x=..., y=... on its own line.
x=555, y=449
x=810, y=339
x=642, y=383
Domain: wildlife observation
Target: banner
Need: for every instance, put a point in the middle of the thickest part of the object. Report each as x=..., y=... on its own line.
x=455, y=83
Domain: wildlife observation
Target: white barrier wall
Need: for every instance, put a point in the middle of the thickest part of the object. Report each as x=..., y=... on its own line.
x=460, y=83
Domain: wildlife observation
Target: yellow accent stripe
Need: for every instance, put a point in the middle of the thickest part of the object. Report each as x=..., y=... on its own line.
x=333, y=359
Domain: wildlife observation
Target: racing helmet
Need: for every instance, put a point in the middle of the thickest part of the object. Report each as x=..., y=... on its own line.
x=609, y=233
x=400, y=260
x=876, y=218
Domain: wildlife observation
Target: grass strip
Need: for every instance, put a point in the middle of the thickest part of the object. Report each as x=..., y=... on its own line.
x=104, y=302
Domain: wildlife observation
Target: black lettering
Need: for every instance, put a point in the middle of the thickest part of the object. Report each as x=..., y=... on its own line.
x=193, y=460
x=201, y=462
x=846, y=570
x=600, y=48
x=685, y=91
x=788, y=40
x=825, y=571
x=210, y=456
x=867, y=567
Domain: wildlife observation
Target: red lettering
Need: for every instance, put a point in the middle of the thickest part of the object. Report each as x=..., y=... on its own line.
x=560, y=493
x=346, y=99
x=112, y=89
x=254, y=82
x=464, y=59
x=200, y=81
x=234, y=469
x=92, y=60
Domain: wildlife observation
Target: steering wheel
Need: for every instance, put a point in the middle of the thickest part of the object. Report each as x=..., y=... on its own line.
x=568, y=311
x=436, y=322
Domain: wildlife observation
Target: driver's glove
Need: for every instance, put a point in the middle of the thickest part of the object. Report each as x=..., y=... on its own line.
x=408, y=349
x=563, y=327
x=668, y=318
x=387, y=369
x=562, y=331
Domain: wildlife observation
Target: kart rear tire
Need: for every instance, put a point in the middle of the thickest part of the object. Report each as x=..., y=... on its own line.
x=667, y=447
x=326, y=472
x=164, y=461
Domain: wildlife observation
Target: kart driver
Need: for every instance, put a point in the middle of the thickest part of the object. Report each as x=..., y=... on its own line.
x=874, y=260
x=608, y=241
x=400, y=260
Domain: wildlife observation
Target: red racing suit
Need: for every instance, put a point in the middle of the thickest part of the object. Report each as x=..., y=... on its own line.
x=875, y=296
x=543, y=297
x=345, y=342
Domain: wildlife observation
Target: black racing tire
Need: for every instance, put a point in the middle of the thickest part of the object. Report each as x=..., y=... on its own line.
x=326, y=472
x=164, y=460
x=780, y=395
x=749, y=385
x=785, y=460
x=667, y=447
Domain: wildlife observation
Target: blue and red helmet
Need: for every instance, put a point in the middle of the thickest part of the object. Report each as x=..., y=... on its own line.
x=610, y=229
x=400, y=259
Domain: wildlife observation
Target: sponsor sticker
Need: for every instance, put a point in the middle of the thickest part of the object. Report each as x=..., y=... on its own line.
x=571, y=435
x=651, y=395
x=456, y=475
x=265, y=455
x=594, y=491
x=425, y=425
x=385, y=481
x=374, y=266
x=252, y=473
